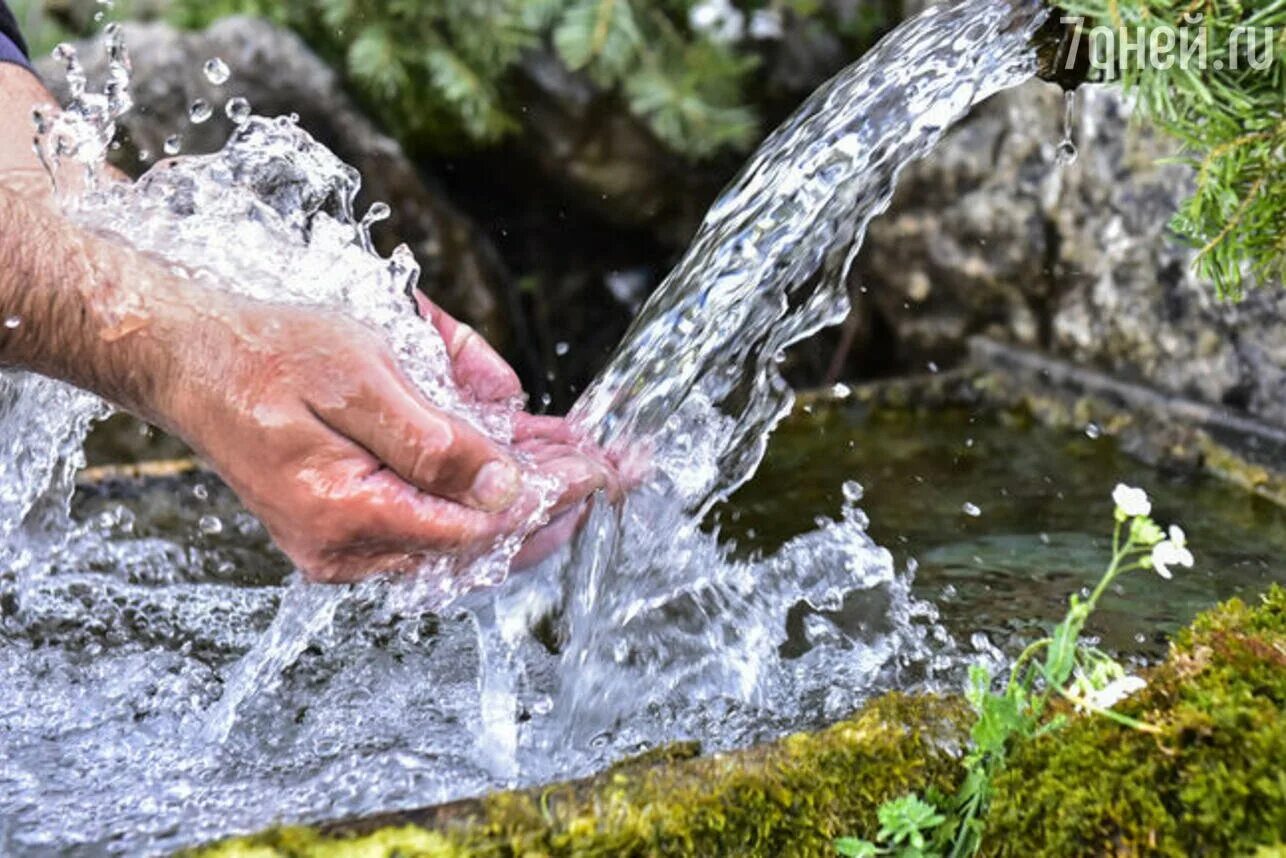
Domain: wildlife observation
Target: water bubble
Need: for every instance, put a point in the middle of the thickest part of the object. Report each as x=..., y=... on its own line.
x=853, y=491
x=1067, y=153
x=238, y=110
x=210, y=524
x=173, y=144
x=12, y=322
x=971, y=509
x=841, y=390
x=200, y=111
x=144, y=155
x=561, y=348
x=216, y=71
x=933, y=367
x=200, y=492
x=1093, y=431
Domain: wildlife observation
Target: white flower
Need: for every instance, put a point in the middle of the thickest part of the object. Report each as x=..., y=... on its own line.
x=1131, y=501
x=1171, y=552
x=718, y=20
x=765, y=24
x=1115, y=691
x=1177, y=536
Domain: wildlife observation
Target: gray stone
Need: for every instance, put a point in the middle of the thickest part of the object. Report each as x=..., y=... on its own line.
x=990, y=235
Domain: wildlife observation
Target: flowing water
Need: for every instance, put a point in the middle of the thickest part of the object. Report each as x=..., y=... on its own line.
x=156, y=691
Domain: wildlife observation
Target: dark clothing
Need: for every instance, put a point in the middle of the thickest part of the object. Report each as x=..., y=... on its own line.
x=12, y=48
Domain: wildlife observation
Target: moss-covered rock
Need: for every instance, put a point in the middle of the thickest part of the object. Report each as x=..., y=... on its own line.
x=1211, y=782
x=791, y=797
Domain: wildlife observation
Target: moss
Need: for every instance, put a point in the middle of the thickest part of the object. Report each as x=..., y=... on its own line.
x=787, y=798
x=390, y=842
x=1211, y=782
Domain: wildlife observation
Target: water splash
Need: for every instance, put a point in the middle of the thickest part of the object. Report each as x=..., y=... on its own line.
x=174, y=706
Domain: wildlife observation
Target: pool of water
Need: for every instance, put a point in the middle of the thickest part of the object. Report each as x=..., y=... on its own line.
x=116, y=659
x=1040, y=523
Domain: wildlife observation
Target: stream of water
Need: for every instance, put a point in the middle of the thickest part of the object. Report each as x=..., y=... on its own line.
x=152, y=697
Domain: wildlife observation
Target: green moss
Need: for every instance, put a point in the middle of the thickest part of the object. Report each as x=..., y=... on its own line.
x=788, y=798
x=404, y=841
x=1211, y=782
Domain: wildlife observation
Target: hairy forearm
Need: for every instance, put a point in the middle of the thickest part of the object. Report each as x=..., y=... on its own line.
x=74, y=303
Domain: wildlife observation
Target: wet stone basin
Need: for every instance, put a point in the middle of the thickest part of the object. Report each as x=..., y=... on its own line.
x=1004, y=518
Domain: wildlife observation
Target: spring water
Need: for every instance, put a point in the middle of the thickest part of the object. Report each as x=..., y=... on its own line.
x=155, y=695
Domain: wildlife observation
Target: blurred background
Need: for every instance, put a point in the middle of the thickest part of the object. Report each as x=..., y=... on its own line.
x=548, y=161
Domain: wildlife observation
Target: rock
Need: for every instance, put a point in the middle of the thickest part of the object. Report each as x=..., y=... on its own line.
x=278, y=74
x=989, y=235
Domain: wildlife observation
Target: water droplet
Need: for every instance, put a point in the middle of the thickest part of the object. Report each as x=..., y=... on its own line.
x=1140, y=638
x=561, y=348
x=200, y=492
x=98, y=17
x=210, y=524
x=144, y=155
x=1067, y=152
x=1093, y=430
x=841, y=391
x=200, y=111
x=377, y=212
x=971, y=509
x=12, y=322
x=216, y=71
x=238, y=110
x=173, y=144
x=933, y=367
x=853, y=491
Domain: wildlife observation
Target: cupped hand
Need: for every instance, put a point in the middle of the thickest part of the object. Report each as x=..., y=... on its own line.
x=306, y=416
x=550, y=445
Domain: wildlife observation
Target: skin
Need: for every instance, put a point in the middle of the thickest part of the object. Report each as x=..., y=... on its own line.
x=302, y=411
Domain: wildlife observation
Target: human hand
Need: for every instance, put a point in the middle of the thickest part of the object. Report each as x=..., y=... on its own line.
x=306, y=416
x=551, y=446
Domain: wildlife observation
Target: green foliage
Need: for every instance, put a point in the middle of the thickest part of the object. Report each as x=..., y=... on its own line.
x=437, y=72
x=1077, y=672
x=1230, y=116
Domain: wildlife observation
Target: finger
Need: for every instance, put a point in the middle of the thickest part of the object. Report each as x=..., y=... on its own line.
x=380, y=524
x=550, y=538
x=427, y=448
x=477, y=366
x=533, y=426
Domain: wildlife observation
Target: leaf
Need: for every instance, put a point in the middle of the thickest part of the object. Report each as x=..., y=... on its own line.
x=599, y=35
x=372, y=60
x=852, y=847
x=472, y=98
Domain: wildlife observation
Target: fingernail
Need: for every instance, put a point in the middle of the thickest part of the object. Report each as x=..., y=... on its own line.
x=496, y=485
